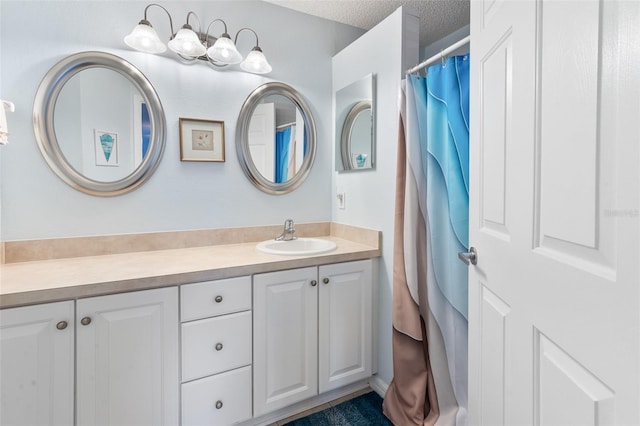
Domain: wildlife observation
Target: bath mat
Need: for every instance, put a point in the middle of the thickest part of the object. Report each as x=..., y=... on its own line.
x=364, y=410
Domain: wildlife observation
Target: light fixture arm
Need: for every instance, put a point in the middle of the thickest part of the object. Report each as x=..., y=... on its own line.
x=161, y=7
x=197, y=19
x=248, y=29
x=211, y=23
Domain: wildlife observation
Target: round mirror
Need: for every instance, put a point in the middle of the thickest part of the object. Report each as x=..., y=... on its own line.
x=357, y=137
x=99, y=123
x=276, y=138
x=355, y=148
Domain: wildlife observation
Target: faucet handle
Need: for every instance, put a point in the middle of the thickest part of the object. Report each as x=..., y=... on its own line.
x=288, y=224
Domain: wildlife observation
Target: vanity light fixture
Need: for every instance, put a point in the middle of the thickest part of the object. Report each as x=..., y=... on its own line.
x=191, y=45
x=255, y=62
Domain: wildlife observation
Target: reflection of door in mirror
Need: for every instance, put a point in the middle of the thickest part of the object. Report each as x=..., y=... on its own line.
x=98, y=123
x=262, y=139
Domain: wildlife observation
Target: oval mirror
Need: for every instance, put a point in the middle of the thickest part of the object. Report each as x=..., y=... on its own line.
x=355, y=125
x=276, y=138
x=357, y=137
x=99, y=123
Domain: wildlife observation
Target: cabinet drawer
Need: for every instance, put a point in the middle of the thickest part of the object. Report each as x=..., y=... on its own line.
x=211, y=298
x=223, y=399
x=213, y=345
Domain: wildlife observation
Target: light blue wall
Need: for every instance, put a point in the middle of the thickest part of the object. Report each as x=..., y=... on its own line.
x=34, y=35
x=386, y=50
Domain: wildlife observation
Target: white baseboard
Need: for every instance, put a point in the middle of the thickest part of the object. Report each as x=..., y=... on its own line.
x=378, y=385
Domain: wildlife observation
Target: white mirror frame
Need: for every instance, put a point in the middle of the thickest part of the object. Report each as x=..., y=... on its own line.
x=43, y=123
x=242, y=140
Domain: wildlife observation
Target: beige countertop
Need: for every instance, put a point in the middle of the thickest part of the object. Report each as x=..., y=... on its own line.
x=41, y=281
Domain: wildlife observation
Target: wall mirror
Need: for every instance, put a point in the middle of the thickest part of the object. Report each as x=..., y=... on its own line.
x=99, y=123
x=355, y=125
x=276, y=138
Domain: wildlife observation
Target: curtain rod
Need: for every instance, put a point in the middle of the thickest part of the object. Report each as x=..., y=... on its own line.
x=282, y=126
x=439, y=56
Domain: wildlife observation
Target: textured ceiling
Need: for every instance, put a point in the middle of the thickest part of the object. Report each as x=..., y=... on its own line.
x=438, y=18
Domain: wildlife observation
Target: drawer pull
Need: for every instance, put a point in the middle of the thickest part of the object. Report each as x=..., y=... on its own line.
x=61, y=325
x=218, y=346
x=314, y=283
x=218, y=404
x=218, y=299
x=325, y=280
x=85, y=321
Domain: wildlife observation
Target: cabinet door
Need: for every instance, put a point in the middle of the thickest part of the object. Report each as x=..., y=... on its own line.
x=127, y=358
x=285, y=321
x=36, y=365
x=345, y=302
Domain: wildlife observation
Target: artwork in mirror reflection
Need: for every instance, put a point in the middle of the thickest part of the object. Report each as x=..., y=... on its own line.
x=94, y=107
x=355, y=125
x=277, y=138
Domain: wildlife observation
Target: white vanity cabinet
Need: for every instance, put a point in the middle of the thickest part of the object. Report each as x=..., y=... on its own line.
x=216, y=352
x=345, y=324
x=125, y=357
x=312, y=332
x=285, y=342
x=36, y=364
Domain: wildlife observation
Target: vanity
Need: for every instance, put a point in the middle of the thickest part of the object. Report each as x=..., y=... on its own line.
x=217, y=334
x=185, y=327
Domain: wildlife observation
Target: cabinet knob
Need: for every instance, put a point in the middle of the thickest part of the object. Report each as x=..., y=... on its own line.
x=314, y=283
x=325, y=280
x=218, y=346
x=218, y=299
x=61, y=325
x=85, y=321
x=218, y=404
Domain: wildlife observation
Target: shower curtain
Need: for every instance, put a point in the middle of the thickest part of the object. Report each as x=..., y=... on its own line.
x=431, y=226
x=283, y=145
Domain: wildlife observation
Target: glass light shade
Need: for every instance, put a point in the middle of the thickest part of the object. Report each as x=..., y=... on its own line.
x=256, y=62
x=224, y=51
x=187, y=43
x=145, y=39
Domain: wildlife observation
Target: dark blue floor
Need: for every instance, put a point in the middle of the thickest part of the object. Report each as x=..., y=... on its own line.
x=364, y=410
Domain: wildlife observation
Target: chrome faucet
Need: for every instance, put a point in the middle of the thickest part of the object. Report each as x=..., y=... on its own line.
x=289, y=232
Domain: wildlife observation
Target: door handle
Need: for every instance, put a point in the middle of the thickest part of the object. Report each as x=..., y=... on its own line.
x=470, y=257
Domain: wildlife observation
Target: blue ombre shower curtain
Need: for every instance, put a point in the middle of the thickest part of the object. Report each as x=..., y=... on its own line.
x=283, y=140
x=430, y=283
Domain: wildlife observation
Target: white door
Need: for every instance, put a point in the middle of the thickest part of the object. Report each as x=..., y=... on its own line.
x=262, y=140
x=36, y=364
x=127, y=359
x=344, y=328
x=285, y=338
x=554, y=213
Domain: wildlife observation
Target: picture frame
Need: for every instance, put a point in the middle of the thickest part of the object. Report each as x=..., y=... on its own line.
x=106, y=148
x=201, y=140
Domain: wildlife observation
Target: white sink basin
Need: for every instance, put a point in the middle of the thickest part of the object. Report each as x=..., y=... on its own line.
x=297, y=247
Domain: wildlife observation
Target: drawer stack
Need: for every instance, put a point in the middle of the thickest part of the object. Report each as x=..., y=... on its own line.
x=216, y=352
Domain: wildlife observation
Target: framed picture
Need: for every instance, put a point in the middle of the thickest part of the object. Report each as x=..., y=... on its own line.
x=201, y=140
x=106, y=147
